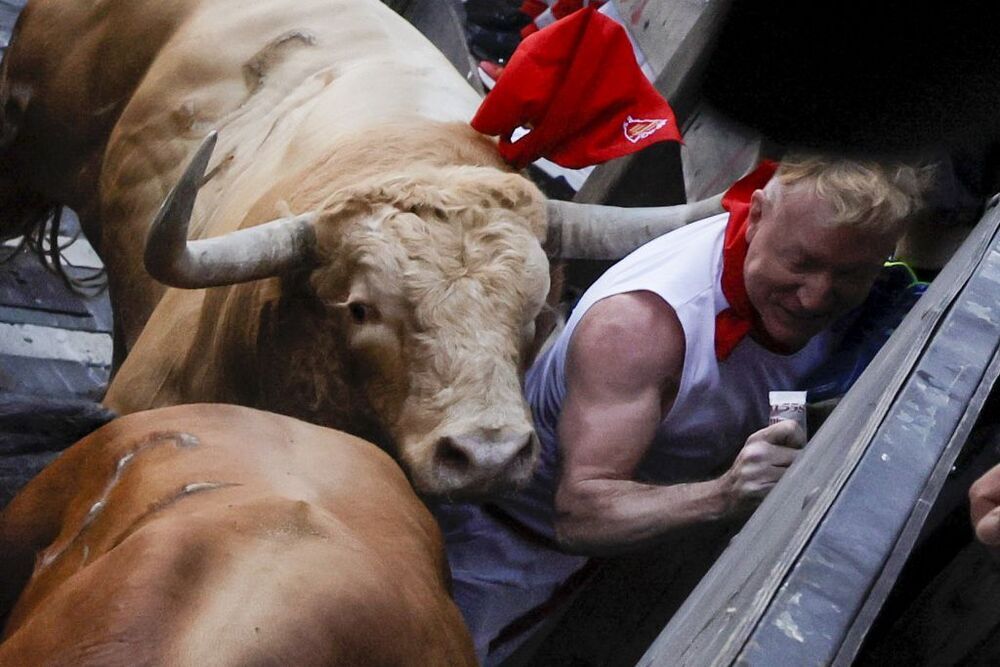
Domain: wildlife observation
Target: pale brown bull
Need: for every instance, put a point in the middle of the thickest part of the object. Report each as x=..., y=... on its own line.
x=223, y=535
x=362, y=258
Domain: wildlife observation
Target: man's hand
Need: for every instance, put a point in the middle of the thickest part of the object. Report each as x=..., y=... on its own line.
x=763, y=460
x=984, y=496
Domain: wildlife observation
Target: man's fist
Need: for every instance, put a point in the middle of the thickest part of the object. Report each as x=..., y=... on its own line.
x=984, y=496
x=764, y=458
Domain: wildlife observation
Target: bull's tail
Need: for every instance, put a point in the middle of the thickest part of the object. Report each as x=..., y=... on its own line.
x=23, y=212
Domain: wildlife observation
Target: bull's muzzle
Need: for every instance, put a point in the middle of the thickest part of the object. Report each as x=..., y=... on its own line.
x=496, y=459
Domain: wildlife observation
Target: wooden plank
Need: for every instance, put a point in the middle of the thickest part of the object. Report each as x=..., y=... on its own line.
x=97, y=314
x=30, y=424
x=50, y=319
x=918, y=522
x=670, y=32
x=715, y=621
x=52, y=377
x=442, y=21
x=31, y=340
x=35, y=294
x=24, y=283
x=716, y=153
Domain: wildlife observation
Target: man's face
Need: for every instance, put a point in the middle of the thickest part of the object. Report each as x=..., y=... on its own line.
x=802, y=273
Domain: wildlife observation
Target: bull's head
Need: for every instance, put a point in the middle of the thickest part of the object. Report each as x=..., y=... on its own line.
x=430, y=293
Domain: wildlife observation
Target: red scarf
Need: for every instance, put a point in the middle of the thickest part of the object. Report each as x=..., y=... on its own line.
x=578, y=86
x=735, y=322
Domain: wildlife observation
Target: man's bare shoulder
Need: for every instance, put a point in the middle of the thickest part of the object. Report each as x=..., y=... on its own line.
x=631, y=337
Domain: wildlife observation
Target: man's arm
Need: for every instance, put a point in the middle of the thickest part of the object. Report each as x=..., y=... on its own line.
x=623, y=371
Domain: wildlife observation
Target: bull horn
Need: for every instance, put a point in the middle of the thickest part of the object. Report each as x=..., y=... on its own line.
x=591, y=231
x=247, y=254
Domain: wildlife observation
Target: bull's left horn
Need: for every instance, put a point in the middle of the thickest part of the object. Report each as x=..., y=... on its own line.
x=591, y=231
x=247, y=254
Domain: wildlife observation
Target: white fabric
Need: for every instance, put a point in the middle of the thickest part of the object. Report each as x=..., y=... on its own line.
x=611, y=11
x=545, y=19
x=717, y=406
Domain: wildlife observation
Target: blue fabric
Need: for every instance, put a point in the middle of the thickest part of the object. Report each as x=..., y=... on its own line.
x=894, y=293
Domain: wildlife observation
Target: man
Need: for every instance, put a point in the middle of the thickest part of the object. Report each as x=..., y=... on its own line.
x=645, y=401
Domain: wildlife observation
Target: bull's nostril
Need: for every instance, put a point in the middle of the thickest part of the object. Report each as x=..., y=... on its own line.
x=525, y=454
x=450, y=455
x=527, y=450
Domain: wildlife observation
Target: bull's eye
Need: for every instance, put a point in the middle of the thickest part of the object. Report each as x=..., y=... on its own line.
x=359, y=312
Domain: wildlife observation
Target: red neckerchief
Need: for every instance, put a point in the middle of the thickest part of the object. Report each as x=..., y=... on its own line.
x=735, y=322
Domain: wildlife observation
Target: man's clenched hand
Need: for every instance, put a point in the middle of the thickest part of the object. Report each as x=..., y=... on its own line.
x=763, y=460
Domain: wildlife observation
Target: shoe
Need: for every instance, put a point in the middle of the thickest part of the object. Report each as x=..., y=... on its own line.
x=497, y=46
x=489, y=72
x=496, y=14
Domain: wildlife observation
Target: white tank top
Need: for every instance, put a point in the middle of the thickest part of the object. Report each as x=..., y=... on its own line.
x=718, y=404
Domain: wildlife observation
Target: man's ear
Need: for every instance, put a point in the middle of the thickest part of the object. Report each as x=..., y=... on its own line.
x=757, y=202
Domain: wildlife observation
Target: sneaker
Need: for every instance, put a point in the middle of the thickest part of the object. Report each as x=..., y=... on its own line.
x=489, y=72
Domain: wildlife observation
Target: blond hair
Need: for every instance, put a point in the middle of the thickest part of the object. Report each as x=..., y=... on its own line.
x=881, y=197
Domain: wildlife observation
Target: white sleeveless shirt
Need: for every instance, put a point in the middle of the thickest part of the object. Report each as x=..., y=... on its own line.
x=718, y=403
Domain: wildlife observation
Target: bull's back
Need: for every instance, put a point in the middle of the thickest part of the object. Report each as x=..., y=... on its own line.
x=223, y=535
x=284, y=83
x=153, y=77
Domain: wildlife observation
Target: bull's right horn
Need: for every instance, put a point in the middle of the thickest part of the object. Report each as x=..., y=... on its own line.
x=248, y=254
x=591, y=231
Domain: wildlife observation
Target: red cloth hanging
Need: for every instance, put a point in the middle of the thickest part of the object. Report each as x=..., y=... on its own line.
x=579, y=88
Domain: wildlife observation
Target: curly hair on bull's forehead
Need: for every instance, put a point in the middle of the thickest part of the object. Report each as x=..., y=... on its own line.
x=442, y=191
x=881, y=196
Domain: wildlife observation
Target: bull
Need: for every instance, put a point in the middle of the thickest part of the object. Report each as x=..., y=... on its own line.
x=356, y=256
x=222, y=535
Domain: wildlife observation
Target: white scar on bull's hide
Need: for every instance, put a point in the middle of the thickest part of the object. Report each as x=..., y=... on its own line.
x=180, y=441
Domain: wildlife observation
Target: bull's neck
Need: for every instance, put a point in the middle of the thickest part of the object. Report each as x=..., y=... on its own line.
x=221, y=364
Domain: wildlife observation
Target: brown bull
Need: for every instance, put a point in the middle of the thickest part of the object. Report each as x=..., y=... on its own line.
x=360, y=258
x=222, y=535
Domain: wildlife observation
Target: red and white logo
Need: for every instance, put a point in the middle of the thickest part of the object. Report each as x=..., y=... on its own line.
x=637, y=129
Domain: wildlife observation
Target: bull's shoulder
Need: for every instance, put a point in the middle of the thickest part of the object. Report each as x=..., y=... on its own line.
x=299, y=581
